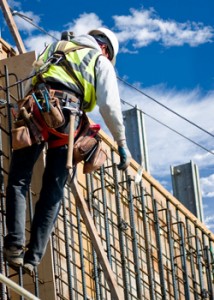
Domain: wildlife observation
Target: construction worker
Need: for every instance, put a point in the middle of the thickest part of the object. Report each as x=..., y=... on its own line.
x=93, y=82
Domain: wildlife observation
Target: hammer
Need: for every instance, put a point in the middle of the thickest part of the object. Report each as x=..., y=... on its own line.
x=73, y=113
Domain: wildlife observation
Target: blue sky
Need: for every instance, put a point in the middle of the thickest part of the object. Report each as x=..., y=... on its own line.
x=166, y=50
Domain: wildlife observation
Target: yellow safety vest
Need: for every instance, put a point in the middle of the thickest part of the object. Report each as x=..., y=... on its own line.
x=82, y=62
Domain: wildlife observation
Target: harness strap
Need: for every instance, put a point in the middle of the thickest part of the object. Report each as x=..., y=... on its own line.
x=63, y=95
x=63, y=44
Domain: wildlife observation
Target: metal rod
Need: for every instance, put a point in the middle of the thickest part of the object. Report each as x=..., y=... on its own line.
x=209, y=272
x=120, y=232
x=8, y=107
x=134, y=238
x=199, y=261
x=95, y=260
x=171, y=251
x=159, y=246
x=67, y=250
x=210, y=267
x=81, y=255
x=2, y=221
x=192, y=263
x=105, y=211
x=148, y=246
x=183, y=258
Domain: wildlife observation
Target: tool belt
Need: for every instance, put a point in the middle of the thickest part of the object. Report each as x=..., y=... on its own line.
x=40, y=117
x=88, y=146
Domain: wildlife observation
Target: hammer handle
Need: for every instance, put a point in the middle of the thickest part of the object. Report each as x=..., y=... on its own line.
x=70, y=142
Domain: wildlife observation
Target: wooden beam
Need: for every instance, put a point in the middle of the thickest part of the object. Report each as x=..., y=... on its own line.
x=116, y=291
x=12, y=25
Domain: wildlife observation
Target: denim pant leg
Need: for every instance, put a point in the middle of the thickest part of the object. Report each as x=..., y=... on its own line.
x=48, y=205
x=19, y=178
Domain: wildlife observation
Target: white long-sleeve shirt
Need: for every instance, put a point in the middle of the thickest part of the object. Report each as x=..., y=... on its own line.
x=107, y=93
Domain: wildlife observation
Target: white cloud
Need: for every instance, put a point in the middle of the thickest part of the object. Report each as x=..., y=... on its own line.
x=207, y=184
x=209, y=222
x=145, y=27
x=23, y=21
x=84, y=23
x=38, y=43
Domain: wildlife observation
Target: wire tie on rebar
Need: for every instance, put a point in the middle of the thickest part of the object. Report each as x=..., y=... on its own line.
x=123, y=225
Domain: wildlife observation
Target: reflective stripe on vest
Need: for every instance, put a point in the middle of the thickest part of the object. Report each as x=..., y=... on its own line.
x=82, y=61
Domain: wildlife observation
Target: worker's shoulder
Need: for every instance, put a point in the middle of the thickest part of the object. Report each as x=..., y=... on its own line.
x=104, y=63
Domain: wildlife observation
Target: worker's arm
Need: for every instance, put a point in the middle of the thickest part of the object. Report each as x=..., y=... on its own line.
x=108, y=100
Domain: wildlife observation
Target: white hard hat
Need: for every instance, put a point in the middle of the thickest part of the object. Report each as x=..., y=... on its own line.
x=111, y=37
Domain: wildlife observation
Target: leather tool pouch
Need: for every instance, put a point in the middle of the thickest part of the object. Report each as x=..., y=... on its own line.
x=54, y=117
x=88, y=147
x=95, y=159
x=26, y=129
x=21, y=138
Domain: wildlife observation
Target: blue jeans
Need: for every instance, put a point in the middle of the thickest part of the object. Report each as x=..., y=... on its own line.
x=47, y=206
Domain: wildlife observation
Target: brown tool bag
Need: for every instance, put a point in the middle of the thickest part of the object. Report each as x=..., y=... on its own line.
x=88, y=146
x=26, y=129
x=36, y=112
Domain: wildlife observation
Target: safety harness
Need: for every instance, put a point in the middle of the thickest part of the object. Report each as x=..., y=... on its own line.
x=51, y=135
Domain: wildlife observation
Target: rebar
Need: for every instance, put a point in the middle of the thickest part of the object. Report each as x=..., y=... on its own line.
x=121, y=235
x=159, y=245
x=67, y=250
x=134, y=238
x=171, y=251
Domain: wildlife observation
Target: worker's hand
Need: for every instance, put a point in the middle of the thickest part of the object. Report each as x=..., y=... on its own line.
x=125, y=157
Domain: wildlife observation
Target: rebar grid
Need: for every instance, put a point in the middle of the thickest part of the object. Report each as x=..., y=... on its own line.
x=156, y=248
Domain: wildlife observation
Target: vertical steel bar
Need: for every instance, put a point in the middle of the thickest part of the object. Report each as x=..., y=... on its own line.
x=95, y=260
x=134, y=238
x=211, y=248
x=209, y=266
x=8, y=107
x=148, y=246
x=171, y=251
x=199, y=261
x=2, y=221
x=183, y=258
x=120, y=229
x=159, y=246
x=81, y=255
x=2, y=288
x=105, y=211
x=192, y=263
x=20, y=281
x=67, y=250
x=209, y=272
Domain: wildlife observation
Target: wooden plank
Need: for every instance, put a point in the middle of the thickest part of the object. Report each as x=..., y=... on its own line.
x=12, y=25
x=116, y=291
